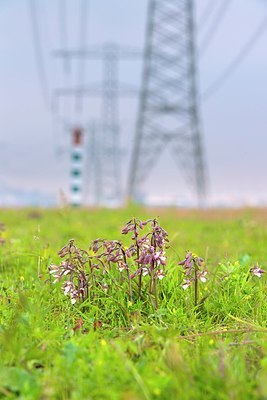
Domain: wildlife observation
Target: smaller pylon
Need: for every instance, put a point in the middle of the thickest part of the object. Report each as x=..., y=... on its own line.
x=108, y=187
x=76, y=167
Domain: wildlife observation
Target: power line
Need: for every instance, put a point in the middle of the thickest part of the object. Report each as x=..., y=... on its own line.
x=39, y=52
x=63, y=32
x=84, y=5
x=214, y=26
x=237, y=60
x=208, y=10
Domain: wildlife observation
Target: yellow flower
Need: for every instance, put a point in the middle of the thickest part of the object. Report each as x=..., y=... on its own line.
x=236, y=264
x=157, y=392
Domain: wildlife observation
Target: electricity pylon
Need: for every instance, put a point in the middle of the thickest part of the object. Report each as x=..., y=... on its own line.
x=108, y=135
x=168, y=111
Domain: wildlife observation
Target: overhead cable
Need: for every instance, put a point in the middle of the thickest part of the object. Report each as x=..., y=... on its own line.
x=208, y=10
x=63, y=24
x=237, y=60
x=39, y=52
x=84, y=4
x=214, y=26
x=63, y=31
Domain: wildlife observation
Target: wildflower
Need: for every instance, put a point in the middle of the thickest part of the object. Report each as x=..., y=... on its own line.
x=96, y=245
x=145, y=271
x=127, y=228
x=146, y=256
x=82, y=269
x=122, y=266
x=160, y=236
x=136, y=273
x=132, y=225
x=160, y=258
x=193, y=272
x=202, y=276
x=191, y=259
x=257, y=271
x=68, y=288
x=104, y=287
x=130, y=251
x=58, y=271
x=186, y=283
x=68, y=249
x=55, y=272
x=160, y=274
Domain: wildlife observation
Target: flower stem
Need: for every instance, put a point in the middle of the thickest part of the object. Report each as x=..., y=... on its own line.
x=140, y=284
x=138, y=255
x=128, y=275
x=155, y=292
x=196, y=287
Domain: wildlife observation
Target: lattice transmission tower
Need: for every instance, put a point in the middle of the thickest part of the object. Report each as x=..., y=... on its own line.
x=107, y=132
x=168, y=111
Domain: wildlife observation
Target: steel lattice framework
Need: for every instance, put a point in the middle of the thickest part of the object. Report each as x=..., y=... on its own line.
x=168, y=112
x=107, y=151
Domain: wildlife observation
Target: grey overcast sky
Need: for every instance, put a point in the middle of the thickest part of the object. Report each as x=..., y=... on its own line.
x=35, y=148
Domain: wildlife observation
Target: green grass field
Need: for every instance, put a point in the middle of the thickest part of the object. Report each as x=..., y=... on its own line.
x=112, y=348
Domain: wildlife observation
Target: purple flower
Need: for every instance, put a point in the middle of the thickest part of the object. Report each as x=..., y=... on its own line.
x=127, y=228
x=257, y=271
x=70, y=290
x=96, y=245
x=160, y=258
x=145, y=271
x=68, y=249
x=202, y=276
x=160, y=274
x=131, y=251
x=190, y=259
x=132, y=226
x=122, y=266
x=192, y=269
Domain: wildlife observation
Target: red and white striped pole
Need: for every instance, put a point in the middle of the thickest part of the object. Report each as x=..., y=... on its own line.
x=77, y=155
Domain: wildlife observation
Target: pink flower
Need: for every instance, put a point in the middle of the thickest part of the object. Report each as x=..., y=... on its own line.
x=257, y=271
x=202, y=276
x=160, y=274
x=160, y=258
x=145, y=271
x=186, y=283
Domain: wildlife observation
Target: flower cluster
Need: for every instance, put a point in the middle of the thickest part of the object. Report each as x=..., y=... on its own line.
x=70, y=290
x=149, y=249
x=108, y=267
x=58, y=271
x=74, y=268
x=84, y=271
x=192, y=265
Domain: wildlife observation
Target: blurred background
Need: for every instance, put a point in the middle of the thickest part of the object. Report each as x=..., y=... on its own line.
x=157, y=101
